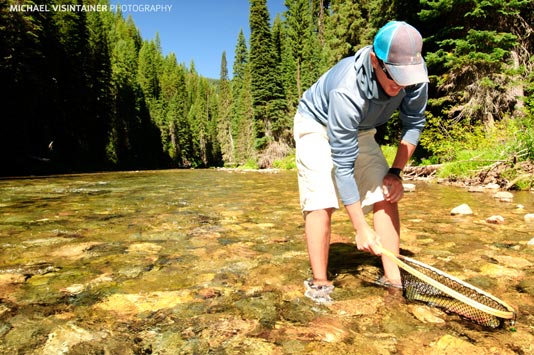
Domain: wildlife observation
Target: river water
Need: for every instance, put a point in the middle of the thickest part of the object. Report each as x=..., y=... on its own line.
x=213, y=262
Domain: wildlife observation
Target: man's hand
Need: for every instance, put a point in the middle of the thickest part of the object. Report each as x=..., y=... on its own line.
x=392, y=187
x=368, y=240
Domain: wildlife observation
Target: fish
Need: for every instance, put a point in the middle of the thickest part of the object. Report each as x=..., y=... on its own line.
x=453, y=305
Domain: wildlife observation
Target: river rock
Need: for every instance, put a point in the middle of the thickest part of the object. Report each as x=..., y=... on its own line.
x=65, y=337
x=358, y=307
x=8, y=284
x=529, y=217
x=74, y=250
x=324, y=329
x=73, y=289
x=450, y=345
x=476, y=189
x=409, y=187
x=133, y=304
x=504, y=196
x=527, y=286
x=498, y=271
x=531, y=243
x=144, y=248
x=515, y=262
x=8, y=278
x=492, y=186
x=462, y=209
x=425, y=314
x=495, y=219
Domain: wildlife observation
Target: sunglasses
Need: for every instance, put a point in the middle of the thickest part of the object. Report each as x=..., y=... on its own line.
x=384, y=69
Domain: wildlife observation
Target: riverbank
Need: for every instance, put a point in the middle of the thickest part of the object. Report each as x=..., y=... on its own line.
x=503, y=175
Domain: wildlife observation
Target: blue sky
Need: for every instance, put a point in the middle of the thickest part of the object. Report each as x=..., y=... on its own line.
x=198, y=30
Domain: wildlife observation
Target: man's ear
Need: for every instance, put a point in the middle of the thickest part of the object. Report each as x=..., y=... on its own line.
x=374, y=59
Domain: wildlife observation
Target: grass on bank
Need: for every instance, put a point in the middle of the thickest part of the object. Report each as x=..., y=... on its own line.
x=462, y=151
x=504, y=148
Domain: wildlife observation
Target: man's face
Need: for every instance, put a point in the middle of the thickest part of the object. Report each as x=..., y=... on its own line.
x=390, y=87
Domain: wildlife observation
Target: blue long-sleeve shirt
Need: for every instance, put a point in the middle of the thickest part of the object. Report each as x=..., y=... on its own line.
x=348, y=98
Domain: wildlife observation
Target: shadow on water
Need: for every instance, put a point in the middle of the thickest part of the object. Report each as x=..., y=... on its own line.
x=213, y=262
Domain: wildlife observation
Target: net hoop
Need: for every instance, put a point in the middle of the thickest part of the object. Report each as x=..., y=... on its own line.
x=447, y=290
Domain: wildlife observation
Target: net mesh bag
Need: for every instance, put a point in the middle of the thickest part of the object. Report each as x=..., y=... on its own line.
x=426, y=284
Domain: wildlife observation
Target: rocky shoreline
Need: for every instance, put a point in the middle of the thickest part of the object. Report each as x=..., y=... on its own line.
x=493, y=177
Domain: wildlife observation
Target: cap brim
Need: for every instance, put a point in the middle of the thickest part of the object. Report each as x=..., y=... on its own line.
x=406, y=75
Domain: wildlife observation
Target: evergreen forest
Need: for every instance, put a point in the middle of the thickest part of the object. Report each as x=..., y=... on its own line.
x=84, y=92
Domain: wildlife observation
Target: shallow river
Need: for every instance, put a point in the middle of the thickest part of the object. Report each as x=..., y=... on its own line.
x=213, y=262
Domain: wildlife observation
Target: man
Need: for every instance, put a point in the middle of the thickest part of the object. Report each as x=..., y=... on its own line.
x=334, y=132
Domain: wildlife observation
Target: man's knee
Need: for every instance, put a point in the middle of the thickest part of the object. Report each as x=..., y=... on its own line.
x=386, y=207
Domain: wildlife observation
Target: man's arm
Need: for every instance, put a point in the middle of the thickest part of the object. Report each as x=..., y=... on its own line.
x=393, y=189
x=366, y=237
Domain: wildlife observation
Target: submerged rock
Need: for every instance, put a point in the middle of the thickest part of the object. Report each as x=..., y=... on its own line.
x=450, y=345
x=504, y=196
x=495, y=219
x=65, y=337
x=515, y=262
x=500, y=271
x=527, y=286
x=426, y=314
x=74, y=250
x=326, y=329
x=133, y=304
x=492, y=186
x=476, y=189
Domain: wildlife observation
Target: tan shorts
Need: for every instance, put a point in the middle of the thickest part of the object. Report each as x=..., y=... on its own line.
x=315, y=167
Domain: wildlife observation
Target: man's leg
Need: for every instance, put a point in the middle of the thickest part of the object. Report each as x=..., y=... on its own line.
x=318, y=199
x=387, y=225
x=317, y=231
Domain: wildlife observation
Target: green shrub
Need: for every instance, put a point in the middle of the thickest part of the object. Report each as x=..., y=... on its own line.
x=389, y=152
x=286, y=163
x=522, y=132
x=250, y=164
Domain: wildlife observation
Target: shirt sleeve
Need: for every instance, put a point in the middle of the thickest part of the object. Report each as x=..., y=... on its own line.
x=344, y=117
x=412, y=112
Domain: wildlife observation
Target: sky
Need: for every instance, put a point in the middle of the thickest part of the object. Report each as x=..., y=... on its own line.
x=197, y=30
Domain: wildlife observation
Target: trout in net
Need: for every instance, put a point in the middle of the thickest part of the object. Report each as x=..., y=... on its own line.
x=438, y=299
x=424, y=283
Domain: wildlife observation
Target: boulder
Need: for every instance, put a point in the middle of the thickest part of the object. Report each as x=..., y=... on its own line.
x=463, y=209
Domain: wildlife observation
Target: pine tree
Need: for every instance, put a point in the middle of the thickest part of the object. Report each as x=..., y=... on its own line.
x=245, y=142
x=267, y=91
x=347, y=29
x=224, y=127
x=147, y=70
x=472, y=50
x=242, y=105
x=303, y=44
x=172, y=122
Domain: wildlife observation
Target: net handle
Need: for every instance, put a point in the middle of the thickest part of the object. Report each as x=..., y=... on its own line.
x=445, y=289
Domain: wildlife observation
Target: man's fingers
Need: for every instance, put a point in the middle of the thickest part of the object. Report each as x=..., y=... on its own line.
x=376, y=249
